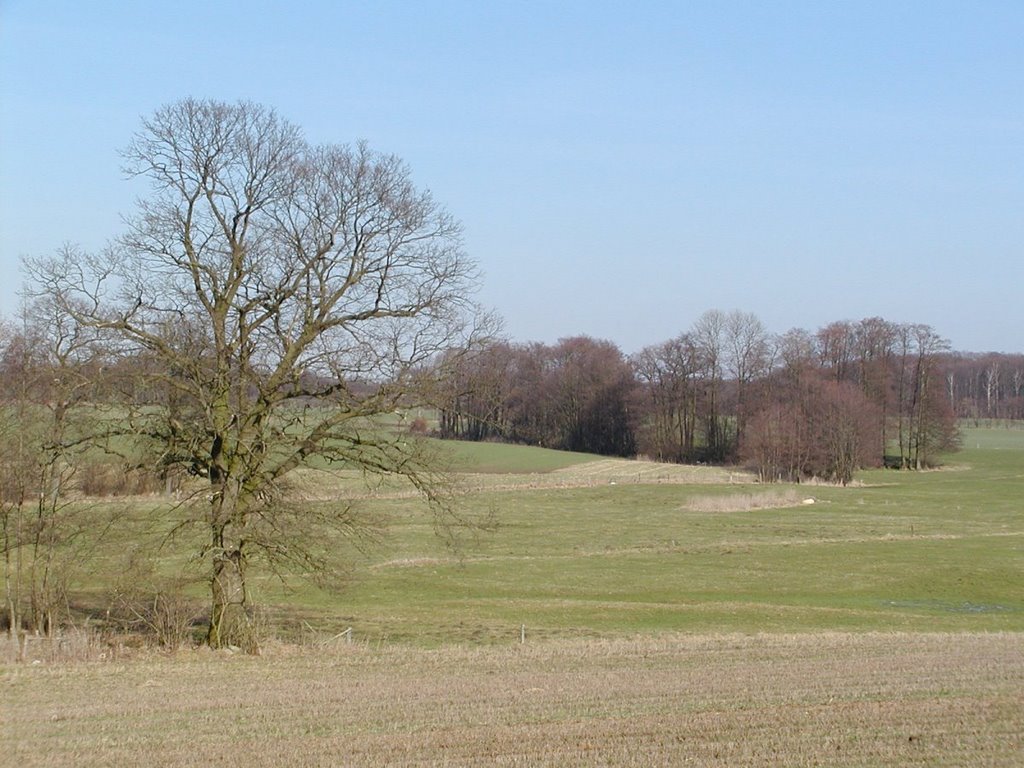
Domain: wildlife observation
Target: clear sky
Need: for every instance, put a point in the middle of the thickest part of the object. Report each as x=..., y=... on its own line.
x=619, y=168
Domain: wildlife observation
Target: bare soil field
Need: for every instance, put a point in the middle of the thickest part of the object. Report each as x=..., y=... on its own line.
x=823, y=699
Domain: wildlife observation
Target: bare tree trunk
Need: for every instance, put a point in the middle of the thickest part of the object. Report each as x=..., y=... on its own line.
x=230, y=620
x=12, y=571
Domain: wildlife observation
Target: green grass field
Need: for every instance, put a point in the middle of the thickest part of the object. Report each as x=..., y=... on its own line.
x=575, y=557
x=501, y=459
x=588, y=547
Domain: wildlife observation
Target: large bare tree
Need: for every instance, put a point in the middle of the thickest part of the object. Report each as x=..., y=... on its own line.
x=280, y=295
x=668, y=374
x=748, y=358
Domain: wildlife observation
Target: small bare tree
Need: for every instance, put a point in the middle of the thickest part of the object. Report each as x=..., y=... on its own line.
x=46, y=366
x=280, y=295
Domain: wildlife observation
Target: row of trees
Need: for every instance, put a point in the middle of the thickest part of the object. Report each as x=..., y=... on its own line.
x=36, y=465
x=986, y=386
x=793, y=406
x=574, y=396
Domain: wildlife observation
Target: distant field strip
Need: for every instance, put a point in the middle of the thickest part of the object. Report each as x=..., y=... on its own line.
x=612, y=472
x=682, y=548
x=325, y=485
x=630, y=471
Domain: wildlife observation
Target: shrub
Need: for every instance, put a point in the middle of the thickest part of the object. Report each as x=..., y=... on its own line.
x=100, y=479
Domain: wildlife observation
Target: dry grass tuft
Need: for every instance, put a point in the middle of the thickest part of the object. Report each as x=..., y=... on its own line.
x=746, y=502
x=69, y=647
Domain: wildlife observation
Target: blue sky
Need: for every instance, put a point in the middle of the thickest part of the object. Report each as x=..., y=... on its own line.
x=618, y=168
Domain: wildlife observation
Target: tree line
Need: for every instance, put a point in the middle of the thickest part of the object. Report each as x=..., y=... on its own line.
x=792, y=406
x=985, y=386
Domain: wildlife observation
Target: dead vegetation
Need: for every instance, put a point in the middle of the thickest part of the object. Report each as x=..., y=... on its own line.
x=763, y=700
x=106, y=480
x=746, y=502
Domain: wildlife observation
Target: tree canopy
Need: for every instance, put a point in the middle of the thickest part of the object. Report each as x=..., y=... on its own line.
x=272, y=296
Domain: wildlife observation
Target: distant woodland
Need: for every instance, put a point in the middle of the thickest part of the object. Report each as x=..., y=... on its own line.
x=792, y=406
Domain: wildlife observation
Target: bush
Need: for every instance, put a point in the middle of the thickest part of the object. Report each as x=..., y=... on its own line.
x=159, y=609
x=104, y=479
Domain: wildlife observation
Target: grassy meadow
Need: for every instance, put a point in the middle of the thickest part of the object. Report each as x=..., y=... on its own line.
x=605, y=548
x=617, y=613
